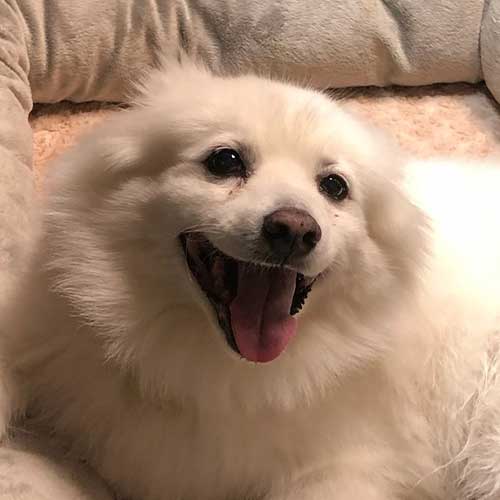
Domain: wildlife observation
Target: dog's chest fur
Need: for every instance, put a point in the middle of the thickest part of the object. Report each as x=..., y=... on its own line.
x=153, y=449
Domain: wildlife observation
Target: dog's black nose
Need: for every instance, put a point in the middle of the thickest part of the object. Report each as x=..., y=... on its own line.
x=290, y=232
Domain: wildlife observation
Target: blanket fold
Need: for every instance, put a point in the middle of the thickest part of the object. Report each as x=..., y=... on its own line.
x=92, y=50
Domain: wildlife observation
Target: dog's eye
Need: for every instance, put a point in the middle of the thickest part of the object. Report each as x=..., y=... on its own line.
x=334, y=186
x=225, y=162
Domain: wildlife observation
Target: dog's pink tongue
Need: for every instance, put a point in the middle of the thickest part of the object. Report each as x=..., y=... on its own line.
x=260, y=313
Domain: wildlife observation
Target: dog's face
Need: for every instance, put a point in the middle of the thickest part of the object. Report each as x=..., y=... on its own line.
x=233, y=218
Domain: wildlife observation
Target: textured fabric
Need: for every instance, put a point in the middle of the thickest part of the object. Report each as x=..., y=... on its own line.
x=52, y=50
x=490, y=46
x=15, y=141
x=91, y=49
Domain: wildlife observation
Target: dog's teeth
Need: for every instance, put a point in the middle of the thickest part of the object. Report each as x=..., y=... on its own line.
x=217, y=274
x=300, y=299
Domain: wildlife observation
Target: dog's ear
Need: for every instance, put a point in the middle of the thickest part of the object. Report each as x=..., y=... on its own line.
x=164, y=69
x=399, y=228
x=115, y=151
x=143, y=139
x=394, y=222
x=169, y=75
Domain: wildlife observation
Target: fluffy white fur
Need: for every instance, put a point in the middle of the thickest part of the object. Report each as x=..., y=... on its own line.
x=389, y=390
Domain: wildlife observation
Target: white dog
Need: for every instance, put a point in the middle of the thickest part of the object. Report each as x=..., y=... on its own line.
x=239, y=291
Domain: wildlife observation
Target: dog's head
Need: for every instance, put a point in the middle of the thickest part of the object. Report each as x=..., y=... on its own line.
x=230, y=218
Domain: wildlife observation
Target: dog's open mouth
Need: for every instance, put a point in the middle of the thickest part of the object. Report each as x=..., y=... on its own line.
x=254, y=305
